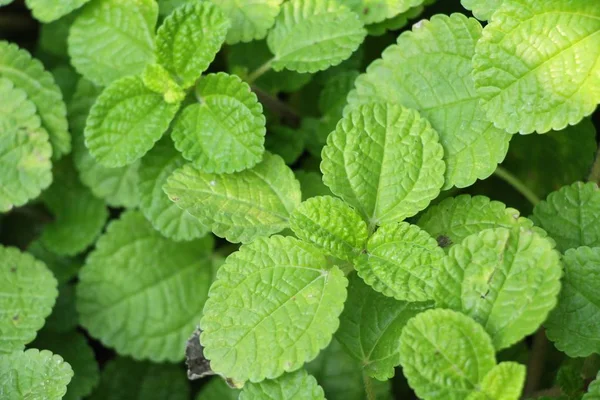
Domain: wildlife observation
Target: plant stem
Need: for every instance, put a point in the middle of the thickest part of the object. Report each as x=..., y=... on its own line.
x=535, y=366
x=594, y=175
x=277, y=106
x=368, y=387
x=258, y=72
x=517, y=185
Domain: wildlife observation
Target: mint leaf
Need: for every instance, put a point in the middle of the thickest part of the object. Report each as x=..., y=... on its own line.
x=295, y=385
x=64, y=316
x=505, y=381
x=282, y=280
x=482, y=9
x=50, y=10
x=372, y=11
x=593, y=390
x=250, y=20
x=395, y=23
x=63, y=268
x=385, y=160
x=158, y=79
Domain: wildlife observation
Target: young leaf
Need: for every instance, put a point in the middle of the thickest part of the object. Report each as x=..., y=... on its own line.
x=27, y=295
x=141, y=293
x=455, y=218
x=370, y=328
x=445, y=354
x=75, y=350
x=225, y=131
x=332, y=225
x=217, y=389
x=532, y=76
x=111, y=39
x=574, y=325
x=593, y=392
x=372, y=11
x=505, y=381
x=189, y=39
x=250, y=20
x=25, y=161
x=385, y=160
x=242, y=206
x=298, y=385
x=126, y=121
x=506, y=279
x=313, y=35
x=571, y=216
x=163, y=214
x=429, y=70
x=28, y=74
x=158, y=79
x=34, y=374
x=401, y=261
x=51, y=10
x=78, y=216
x=260, y=319
x=482, y=9
x=126, y=379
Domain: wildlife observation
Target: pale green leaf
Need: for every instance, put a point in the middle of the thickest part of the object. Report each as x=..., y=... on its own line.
x=51, y=10
x=250, y=19
x=401, y=261
x=28, y=74
x=372, y=11
x=126, y=379
x=141, y=293
x=27, y=295
x=313, y=35
x=385, y=160
x=158, y=79
x=536, y=66
x=163, y=214
x=286, y=142
x=24, y=148
x=5, y=2
x=126, y=121
x=504, y=382
x=75, y=350
x=111, y=39
x=298, y=385
x=370, y=327
x=508, y=280
x=34, y=374
x=571, y=216
x=311, y=184
x=79, y=216
x=429, y=70
x=482, y=9
x=445, y=354
x=574, y=325
x=117, y=186
x=225, y=131
x=189, y=39
x=260, y=319
x=63, y=268
x=217, y=389
x=593, y=392
x=241, y=206
x=332, y=225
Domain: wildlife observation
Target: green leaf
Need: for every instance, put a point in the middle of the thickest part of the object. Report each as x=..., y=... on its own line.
x=28, y=74
x=482, y=9
x=189, y=39
x=593, y=390
x=332, y=225
x=429, y=70
x=445, y=354
x=163, y=214
x=34, y=374
x=250, y=20
x=275, y=305
x=571, y=216
x=52, y=38
x=75, y=350
x=333, y=96
x=64, y=316
x=126, y=379
x=141, y=293
x=217, y=389
x=313, y=35
x=402, y=261
x=395, y=23
x=24, y=148
x=311, y=184
x=372, y=11
x=166, y=7
x=126, y=121
x=51, y=10
x=117, y=186
x=286, y=142
x=158, y=79
x=78, y=216
x=370, y=328
x=532, y=76
x=385, y=160
x=455, y=218
x=63, y=268
x=505, y=381
x=27, y=295
x=298, y=385
x=225, y=131
x=242, y=206
x=574, y=325
x=507, y=280
x=111, y=39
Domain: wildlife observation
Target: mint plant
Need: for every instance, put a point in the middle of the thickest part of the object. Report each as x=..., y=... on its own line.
x=299, y=199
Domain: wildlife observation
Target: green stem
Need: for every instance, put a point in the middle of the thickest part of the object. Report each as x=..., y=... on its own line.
x=535, y=366
x=368, y=387
x=258, y=72
x=517, y=185
x=594, y=175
